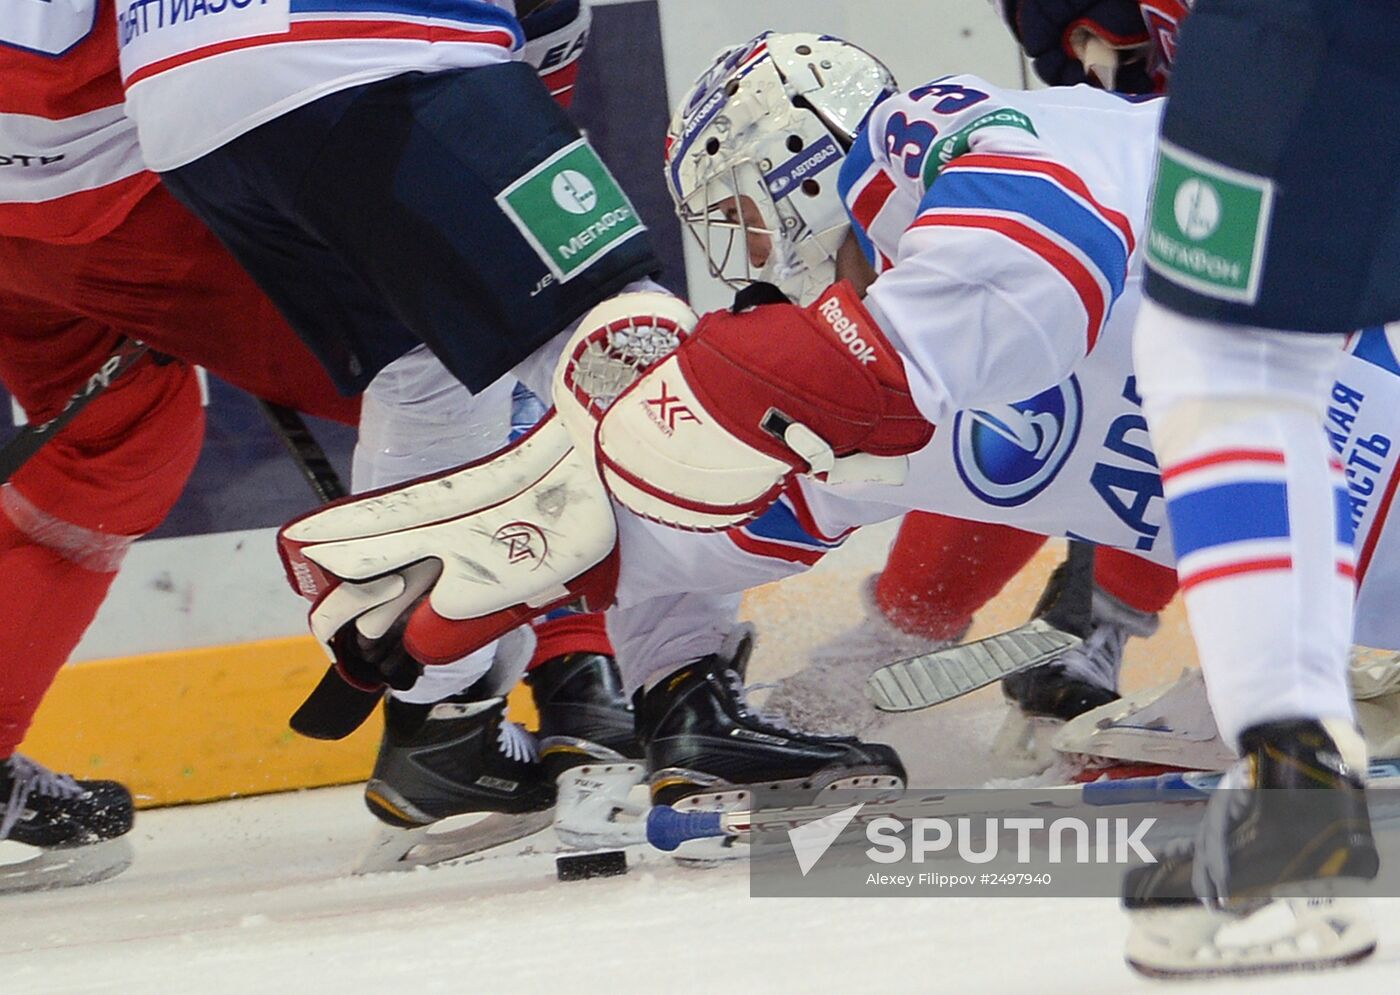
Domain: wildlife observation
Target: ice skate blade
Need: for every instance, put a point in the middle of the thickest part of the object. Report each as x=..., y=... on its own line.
x=448, y=839
x=1284, y=934
x=595, y=808
x=560, y=753
x=713, y=794
x=66, y=867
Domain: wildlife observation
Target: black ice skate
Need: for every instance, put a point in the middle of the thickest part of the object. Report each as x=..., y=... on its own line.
x=77, y=828
x=1269, y=883
x=588, y=745
x=439, y=762
x=1086, y=676
x=584, y=715
x=707, y=747
x=1079, y=680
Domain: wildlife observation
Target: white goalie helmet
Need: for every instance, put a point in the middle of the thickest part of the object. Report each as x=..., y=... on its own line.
x=754, y=150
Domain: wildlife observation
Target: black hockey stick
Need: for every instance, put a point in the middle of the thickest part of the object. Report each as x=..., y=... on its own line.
x=305, y=451
x=1061, y=620
x=335, y=708
x=30, y=438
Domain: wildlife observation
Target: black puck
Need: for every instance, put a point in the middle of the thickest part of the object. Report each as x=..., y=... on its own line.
x=581, y=866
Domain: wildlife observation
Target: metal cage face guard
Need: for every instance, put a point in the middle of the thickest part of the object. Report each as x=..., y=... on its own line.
x=754, y=152
x=735, y=225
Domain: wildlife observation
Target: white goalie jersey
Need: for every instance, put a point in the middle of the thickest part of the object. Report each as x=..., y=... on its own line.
x=1033, y=192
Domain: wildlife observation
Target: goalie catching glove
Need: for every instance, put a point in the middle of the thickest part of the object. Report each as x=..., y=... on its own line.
x=708, y=437
x=445, y=564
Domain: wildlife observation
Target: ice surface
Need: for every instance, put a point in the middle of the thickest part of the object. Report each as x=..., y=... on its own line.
x=254, y=897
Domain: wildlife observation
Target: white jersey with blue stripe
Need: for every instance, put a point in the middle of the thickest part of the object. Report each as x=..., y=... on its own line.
x=975, y=202
x=1071, y=458
x=199, y=73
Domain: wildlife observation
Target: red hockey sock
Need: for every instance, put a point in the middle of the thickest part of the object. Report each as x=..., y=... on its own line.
x=1136, y=582
x=941, y=570
x=555, y=637
x=46, y=603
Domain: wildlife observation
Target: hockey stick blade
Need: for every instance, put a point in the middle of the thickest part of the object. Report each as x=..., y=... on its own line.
x=334, y=708
x=933, y=678
x=667, y=828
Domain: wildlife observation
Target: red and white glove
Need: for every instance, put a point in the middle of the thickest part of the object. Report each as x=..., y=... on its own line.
x=706, y=439
x=448, y=563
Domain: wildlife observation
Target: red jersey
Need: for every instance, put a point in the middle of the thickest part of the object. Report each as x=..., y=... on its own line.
x=70, y=166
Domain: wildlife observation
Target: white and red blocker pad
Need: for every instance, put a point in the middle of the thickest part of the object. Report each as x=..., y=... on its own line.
x=708, y=437
x=492, y=544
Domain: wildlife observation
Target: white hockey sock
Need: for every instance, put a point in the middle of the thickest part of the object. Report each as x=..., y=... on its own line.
x=1258, y=509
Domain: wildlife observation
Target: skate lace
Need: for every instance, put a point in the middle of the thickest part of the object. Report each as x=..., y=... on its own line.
x=1098, y=658
x=29, y=778
x=516, y=743
x=739, y=692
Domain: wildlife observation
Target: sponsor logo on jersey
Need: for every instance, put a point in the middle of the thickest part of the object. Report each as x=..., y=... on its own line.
x=1209, y=226
x=846, y=330
x=806, y=164
x=152, y=32
x=945, y=150
x=571, y=210
x=1008, y=454
x=573, y=192
x=16, y=159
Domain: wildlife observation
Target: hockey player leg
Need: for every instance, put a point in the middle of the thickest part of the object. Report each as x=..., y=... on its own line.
x=706, y=747
x=1274, y=878
x=456, y=776
x=1127, y=595
x=1263, y=539
x=413, y=415
x=66, y=832
x=66, y=521
x=453, y=776
x=1083, y=678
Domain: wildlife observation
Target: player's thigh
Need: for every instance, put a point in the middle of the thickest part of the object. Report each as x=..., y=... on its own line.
x=330, y=304
x=46, y=350
x=119, y=466
x=477, y=210
x=1278, y=198
x=190, y=298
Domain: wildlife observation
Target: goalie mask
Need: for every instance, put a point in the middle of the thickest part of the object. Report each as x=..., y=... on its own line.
x=754, y=150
